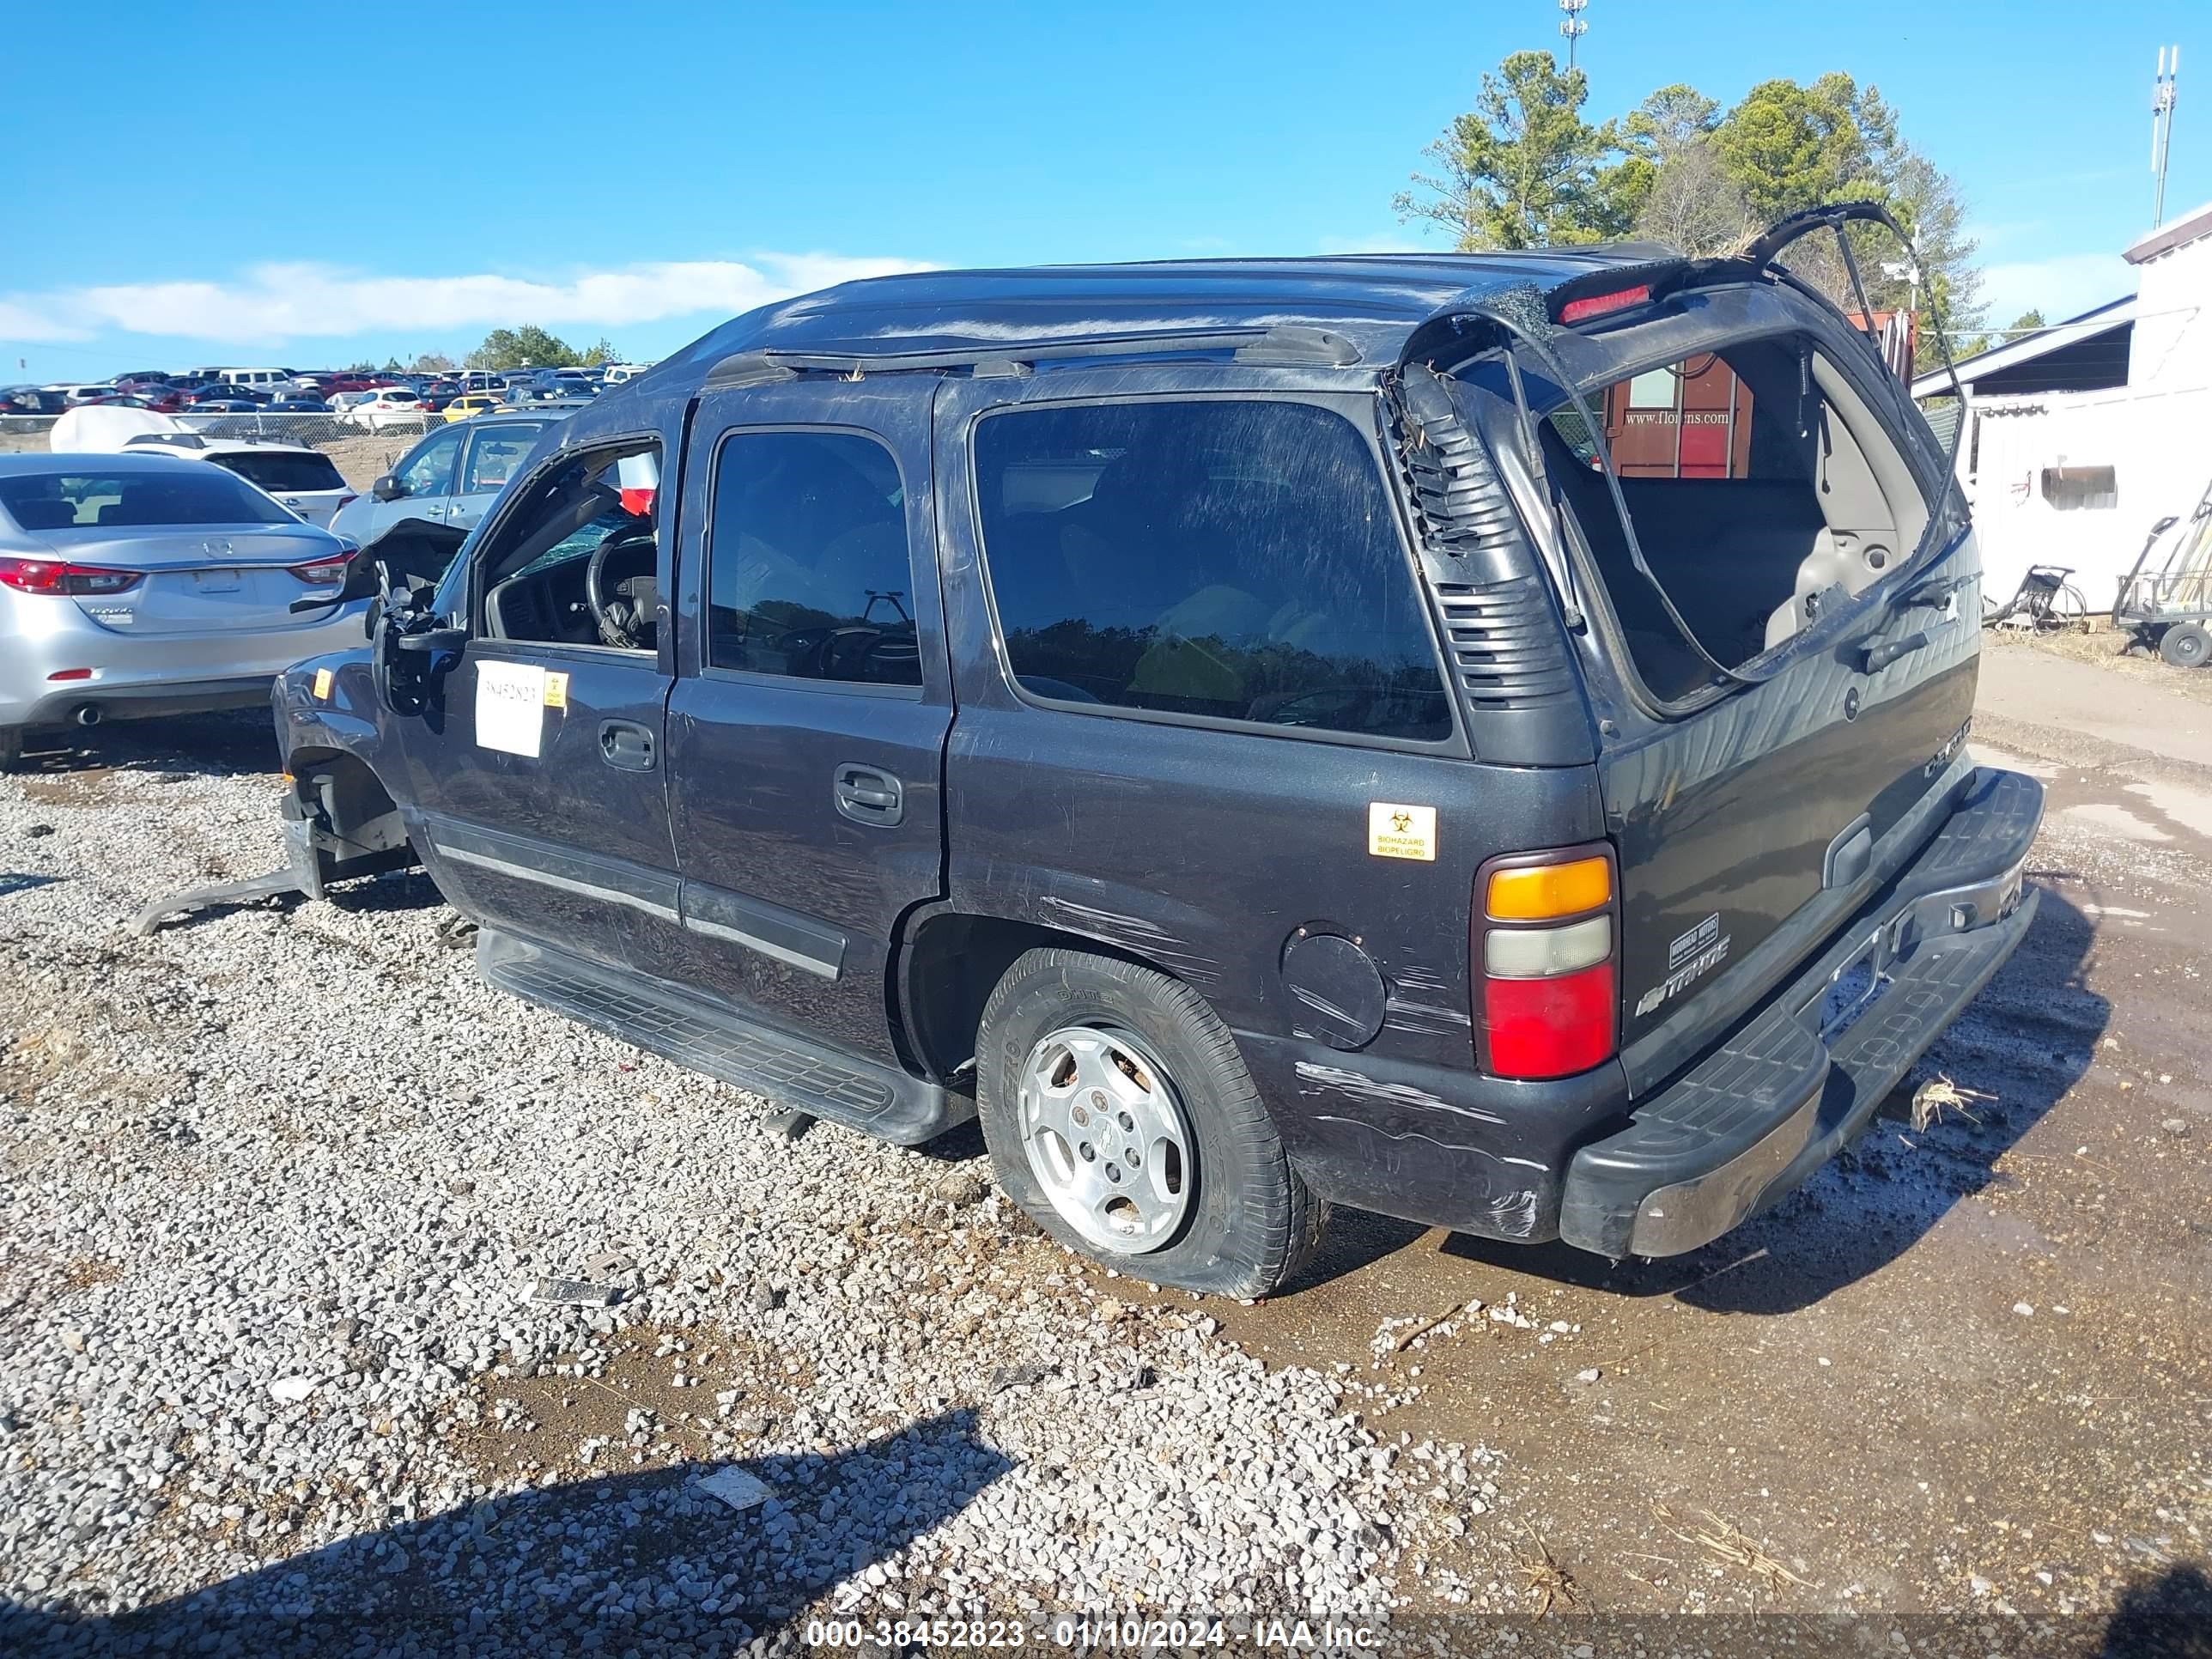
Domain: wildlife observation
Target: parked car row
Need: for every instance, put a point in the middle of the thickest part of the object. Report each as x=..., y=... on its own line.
x=372, y=402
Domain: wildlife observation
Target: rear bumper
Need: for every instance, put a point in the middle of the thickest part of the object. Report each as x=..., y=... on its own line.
x=147, y=701
x=1759, y=1113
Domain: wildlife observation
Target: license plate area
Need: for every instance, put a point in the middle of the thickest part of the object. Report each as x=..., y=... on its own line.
x=214, y=581
x=1854, y=985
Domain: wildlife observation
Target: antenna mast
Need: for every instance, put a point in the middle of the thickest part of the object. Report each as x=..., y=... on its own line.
x=1574, y=27
x=2162, y=123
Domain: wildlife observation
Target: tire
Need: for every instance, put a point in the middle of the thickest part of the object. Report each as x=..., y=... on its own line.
x=1246, y=1220
x=2186, y=645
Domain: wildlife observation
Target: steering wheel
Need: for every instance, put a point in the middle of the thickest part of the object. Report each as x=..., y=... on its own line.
x=622, y=615
x=837, y=651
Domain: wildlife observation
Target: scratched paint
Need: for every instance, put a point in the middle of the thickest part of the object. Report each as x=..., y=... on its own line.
x=1338, y=1079
x=1138, y=934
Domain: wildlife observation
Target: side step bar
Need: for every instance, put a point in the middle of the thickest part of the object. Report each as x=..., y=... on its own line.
x=675, y=1023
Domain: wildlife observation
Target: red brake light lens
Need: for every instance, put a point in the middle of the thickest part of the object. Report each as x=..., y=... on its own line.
x=1597, y=305
x=58, y=576
x=1545, y=938
x=324, y=573
x=1548, y=1028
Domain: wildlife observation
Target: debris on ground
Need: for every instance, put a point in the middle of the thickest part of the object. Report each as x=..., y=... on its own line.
x=573, y=1292
x=1547, y=1581
x=740, y=1490
x=1939, y=1095
x=1731, y=1543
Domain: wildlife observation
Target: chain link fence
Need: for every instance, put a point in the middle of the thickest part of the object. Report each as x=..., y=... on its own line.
x=19, y=432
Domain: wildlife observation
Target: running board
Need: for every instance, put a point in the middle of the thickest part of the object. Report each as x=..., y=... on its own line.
x=695, y=1033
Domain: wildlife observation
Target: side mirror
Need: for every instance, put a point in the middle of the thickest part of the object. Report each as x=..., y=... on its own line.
x=388, y=488
x=433, y=640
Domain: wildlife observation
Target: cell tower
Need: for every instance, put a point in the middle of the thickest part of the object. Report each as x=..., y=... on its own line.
x=1572, y=25
x=2162, y=123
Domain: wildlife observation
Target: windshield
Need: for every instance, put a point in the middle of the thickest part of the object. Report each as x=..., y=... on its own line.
x=188, y=494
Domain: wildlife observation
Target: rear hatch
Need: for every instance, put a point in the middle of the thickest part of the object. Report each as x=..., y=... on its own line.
x=1782, y=712
x=306, y=482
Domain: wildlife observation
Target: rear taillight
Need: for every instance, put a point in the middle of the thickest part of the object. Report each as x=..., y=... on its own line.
x=1546, y=947
x=59, y=576
x=323, y=573
x=346, y=501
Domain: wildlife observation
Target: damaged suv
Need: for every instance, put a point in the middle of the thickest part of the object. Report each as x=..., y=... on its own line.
x=1479, y=738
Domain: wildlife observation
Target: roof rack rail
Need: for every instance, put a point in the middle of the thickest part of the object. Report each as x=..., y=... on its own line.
x=1286, y=344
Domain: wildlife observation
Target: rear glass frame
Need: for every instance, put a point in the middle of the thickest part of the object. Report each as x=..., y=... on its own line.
x=187, y=474
x=1359, y=414
x=1611, y=351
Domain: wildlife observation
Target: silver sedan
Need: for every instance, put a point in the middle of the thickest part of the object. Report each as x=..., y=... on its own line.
x=138, y=585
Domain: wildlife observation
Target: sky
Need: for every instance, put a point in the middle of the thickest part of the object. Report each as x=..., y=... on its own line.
x=366, y=183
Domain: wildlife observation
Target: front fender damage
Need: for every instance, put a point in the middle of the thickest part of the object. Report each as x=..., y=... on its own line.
x=331, y=834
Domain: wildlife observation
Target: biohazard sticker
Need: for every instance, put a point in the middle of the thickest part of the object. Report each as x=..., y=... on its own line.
x=1396, y=831
x=322, y=685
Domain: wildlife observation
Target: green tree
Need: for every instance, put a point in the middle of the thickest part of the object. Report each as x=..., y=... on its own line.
x=1522, y=168
x=592, y=356
x=433, y=362
x=1789, y=146
x=2026, y=323
x=527, y=347
x=1675, y=178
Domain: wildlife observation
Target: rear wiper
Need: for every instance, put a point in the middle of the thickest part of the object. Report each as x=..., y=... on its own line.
x=1875, y=658
x=1934, y=594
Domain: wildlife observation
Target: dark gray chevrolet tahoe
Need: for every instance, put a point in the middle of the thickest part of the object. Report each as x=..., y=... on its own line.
x=1479, y=738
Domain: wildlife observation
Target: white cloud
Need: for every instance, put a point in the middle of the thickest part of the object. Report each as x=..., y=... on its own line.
x=275, y=302
x=2061, y=287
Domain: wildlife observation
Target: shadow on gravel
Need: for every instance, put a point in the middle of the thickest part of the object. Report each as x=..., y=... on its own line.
x=2027, y=1039
x=632, y=1564
x=2168, y=1616
x=15, y=881
x=240, y=740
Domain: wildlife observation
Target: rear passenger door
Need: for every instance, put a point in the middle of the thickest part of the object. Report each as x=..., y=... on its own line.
x=806, y=731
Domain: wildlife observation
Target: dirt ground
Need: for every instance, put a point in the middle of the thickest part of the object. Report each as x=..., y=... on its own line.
x=1971, y=1366
x=2104, y=646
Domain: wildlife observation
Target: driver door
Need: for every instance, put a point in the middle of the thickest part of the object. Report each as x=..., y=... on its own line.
x=537, y=774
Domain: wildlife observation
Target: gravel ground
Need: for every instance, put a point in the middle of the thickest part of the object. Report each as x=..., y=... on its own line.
x=282, y=1192
x=278, y=1187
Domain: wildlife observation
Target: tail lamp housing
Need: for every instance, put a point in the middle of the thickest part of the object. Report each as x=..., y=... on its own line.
x=1545, y=952
x=323, y=573
x=59, y=576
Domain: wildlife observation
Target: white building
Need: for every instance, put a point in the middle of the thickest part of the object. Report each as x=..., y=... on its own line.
x=2075, y=477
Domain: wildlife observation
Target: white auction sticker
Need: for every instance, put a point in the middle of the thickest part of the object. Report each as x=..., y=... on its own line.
x=510, y=707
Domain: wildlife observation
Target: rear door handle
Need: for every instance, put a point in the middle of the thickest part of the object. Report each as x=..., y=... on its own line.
x=866, y=795
x=627, y=744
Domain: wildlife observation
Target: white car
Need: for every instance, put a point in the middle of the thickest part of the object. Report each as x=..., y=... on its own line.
x=305, y=482
x=385, y=407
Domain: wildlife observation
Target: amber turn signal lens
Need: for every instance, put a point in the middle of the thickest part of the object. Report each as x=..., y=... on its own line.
x=1538, y=892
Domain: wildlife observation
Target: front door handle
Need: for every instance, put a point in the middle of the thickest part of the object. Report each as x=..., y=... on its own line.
x=866, y=795
x=627, y=744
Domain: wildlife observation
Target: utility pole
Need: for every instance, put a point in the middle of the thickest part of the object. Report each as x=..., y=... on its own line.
x=1574, y=27
x=2162, y=123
